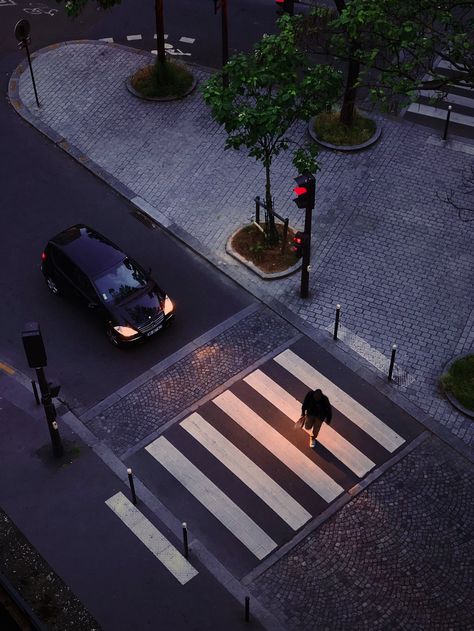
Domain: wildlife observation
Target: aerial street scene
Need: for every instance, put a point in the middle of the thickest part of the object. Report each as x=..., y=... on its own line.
x=237, y=323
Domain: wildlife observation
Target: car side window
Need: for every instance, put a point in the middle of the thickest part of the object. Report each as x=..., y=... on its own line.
x=62, y=262
x=84, y=285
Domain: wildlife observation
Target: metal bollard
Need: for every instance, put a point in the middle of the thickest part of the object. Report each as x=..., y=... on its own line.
x=185, y=540
x=35, y=392
x=336, y=324
x=392, y=362
x=247, y=608
x=446, y=124
x=132, y=485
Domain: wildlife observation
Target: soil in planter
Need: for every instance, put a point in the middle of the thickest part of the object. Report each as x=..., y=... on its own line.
x=328, y=128
x=459, y=380
x=250, y=243
x=172, y=79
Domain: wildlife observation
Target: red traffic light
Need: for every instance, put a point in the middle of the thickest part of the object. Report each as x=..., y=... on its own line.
x=300, y=190
x=298, y=243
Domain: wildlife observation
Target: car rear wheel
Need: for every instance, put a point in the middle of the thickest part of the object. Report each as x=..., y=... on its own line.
x=53, y=288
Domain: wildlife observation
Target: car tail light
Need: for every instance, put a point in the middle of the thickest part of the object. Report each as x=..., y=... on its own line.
x=43, y=256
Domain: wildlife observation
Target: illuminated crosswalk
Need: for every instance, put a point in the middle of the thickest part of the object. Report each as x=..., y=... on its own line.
x=245, y=438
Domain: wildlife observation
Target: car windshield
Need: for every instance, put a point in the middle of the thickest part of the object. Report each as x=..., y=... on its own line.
x=120, y=282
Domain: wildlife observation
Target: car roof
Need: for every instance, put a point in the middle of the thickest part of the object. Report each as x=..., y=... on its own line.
x=89, y=250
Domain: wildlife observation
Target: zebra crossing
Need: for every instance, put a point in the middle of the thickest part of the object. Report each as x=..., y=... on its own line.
x=241, y=476
x=460, y=97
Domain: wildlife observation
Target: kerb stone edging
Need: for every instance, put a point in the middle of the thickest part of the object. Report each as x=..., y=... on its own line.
x=344, y=354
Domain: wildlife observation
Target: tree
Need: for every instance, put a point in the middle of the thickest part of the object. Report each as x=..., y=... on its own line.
x=268, y=90
x=74, y=8
x=397, y=44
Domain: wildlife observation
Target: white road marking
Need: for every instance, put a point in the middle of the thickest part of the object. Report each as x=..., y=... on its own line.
x=152, y=538
x=210, y=496
x=132, y=38
x=109, y=40
x=354, y=411
x=187, y=40
x=328, y=437
x=165, y=36
x=264, y=433
x=247, y=471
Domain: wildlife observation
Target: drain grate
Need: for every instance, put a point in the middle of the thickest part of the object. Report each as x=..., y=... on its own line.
x=144, y=219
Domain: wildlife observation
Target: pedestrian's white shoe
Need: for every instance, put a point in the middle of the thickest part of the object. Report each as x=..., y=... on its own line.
x=312, y=442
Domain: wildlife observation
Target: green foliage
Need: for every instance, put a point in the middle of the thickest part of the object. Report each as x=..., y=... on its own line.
x=459, y=380
x=74, y=7
x=401, y=40
x=268, y=91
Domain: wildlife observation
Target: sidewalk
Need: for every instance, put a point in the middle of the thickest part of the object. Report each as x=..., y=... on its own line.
x=397, y=259
x=70, y=538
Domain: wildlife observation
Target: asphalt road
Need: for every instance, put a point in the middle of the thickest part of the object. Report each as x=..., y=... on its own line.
x=44, y=191
x=248, y=20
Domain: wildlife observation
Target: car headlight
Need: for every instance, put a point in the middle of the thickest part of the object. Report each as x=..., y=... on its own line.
x=168, y=306
x=125, y=331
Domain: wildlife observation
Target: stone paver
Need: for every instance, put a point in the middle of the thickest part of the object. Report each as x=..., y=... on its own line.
x=399, y=556
x=396, y=258
x=149, y=406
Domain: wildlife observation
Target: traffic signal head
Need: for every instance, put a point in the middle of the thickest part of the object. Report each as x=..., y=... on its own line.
x=305, y=191
x=33, y=344
x=285, y=6
x=298, y=243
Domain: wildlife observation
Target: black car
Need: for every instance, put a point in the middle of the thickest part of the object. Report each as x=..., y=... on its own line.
x=83, y=265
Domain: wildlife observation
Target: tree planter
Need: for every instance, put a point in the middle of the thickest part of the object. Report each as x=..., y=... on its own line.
x=254, y=267
x=172, y=97
x=449, y=395
x=347, y=148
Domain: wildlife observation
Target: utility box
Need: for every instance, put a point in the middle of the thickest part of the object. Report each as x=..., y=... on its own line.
x=34, y=347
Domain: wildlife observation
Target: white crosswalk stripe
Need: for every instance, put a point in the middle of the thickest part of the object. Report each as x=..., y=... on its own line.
x=152, y=538
x=328, y=437
x=264, y=433
x=245, y=469
x=359, y=415
x=292, y=498
x=210, y=496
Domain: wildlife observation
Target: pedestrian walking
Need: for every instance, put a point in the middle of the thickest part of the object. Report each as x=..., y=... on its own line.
x=315, y=410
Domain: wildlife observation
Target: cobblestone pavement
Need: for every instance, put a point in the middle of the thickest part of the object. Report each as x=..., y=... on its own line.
x=399, y=556
x=385, y=247
x=162, y=397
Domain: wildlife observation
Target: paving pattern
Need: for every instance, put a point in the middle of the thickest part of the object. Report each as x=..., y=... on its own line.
x=399, y=556
x=160, y=399
x=397, y=259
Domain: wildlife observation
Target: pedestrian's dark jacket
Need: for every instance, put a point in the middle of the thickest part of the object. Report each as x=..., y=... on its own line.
x=320, y=409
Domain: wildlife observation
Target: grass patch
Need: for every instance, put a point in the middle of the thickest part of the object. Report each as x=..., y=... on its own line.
x=328, y=128
x=157, y=80
x=250, y=243
x=459, y=381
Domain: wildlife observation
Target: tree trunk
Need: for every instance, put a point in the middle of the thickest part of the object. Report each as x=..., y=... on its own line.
x=350, y=92
x=272, y=234
x=353, y=71
x=160, y=32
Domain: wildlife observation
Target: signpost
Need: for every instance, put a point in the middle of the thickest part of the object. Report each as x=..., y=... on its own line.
x=22, y=33
x=222, y=6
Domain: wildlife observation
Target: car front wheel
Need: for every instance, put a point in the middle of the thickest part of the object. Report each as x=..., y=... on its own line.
x=112, y=337
x=53, y=288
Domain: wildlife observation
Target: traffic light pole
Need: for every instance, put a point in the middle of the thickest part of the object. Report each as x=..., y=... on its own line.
x=305, y=267
x=50, y=412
